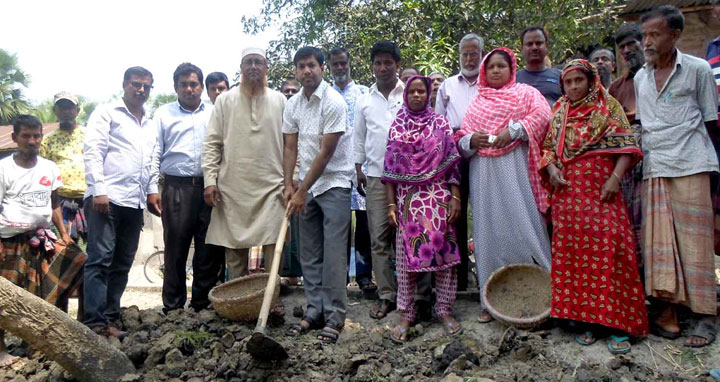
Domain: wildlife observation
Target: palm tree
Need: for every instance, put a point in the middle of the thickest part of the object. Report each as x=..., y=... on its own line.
x=12, y=82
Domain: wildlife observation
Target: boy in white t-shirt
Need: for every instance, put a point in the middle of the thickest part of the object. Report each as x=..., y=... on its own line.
x=28, y=203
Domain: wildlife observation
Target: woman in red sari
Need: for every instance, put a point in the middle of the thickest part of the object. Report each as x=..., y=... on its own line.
x=587, y=150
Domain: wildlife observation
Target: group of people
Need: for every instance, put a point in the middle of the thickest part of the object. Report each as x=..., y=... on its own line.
x=594, y=180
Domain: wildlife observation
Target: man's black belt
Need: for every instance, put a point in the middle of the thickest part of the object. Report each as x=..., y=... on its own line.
x=194, y=180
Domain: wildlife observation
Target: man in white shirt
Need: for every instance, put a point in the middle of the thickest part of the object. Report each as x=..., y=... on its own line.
x=119, y=144
x=181, y=129
x=29, y=200
x=453, y=99
x=315, y=121
x=374, y=113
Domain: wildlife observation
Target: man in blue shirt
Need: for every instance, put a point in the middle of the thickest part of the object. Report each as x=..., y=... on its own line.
x=119, y=143
x=181, y=127
x=536, y=73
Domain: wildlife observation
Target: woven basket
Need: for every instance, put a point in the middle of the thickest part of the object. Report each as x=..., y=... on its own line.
x=241, y=299
x=519, y=295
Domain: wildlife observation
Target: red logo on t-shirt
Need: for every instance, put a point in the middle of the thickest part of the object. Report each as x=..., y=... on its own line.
x=45, y=181
x=59, y=177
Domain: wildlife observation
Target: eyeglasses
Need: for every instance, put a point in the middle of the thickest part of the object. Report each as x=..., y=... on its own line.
x=256, y=62
x=472, y=55
x=140, y=85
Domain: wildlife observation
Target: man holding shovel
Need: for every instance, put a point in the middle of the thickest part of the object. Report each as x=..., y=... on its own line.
x=243, y=167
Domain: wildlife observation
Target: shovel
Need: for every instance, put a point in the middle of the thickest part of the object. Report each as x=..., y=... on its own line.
x=260, y=345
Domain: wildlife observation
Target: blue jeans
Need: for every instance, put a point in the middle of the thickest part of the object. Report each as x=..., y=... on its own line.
x=112, y=243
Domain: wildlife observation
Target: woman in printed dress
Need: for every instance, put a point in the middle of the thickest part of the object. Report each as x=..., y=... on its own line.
x=501, y=135
x=589, y=147
x=422, y=184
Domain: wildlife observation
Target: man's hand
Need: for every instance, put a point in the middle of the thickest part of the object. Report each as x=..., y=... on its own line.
x=212, y=196
x=503, y=139
x=296, y=204
x=361, y=181
x=610, y=188
x=101, y=204
x=2, y=251
x=479, y=141
x=556, y=178
x=154, y=204
x=66, y=239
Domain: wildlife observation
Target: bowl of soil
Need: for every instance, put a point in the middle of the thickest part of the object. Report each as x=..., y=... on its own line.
x=519, y=295
x=241, y=299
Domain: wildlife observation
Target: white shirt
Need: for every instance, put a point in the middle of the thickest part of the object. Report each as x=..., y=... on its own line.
x=453, y=98
x=181, y=134
x=324, y=113
x=118, y=156
x=374, y=114
x=25, y=195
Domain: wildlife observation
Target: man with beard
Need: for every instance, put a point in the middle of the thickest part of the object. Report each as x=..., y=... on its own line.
x=289, y=87
x=628, y=39
x=119, y=144
x=677, y=102
x=64, y=147
x=453, y=98
x=343, y=84
x=604, y=59
x=216, y=83
x=374, y=113
x=242, y=165
x=181, y=127
x=314, y=126
x=537, y=74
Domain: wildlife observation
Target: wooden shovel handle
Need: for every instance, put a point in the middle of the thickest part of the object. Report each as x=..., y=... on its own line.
x=272, y=280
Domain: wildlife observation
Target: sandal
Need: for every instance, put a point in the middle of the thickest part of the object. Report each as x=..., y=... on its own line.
x=382, y=310
x=484, y=317
x=657, y=330
x=330, y=333
x=614, y=343
x=715, y=373
x=402, y=337
x=704, y=330
x=299, y=329
x=582, y=341
x=452, y=327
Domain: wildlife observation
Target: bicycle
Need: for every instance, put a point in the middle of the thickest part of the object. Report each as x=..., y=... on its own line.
x=154, y=267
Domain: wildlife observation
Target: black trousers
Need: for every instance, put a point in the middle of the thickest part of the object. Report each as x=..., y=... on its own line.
x=461, y=225
x=185, y=218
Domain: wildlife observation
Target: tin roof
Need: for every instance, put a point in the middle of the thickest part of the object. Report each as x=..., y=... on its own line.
x=6, y=142
x=639, y=6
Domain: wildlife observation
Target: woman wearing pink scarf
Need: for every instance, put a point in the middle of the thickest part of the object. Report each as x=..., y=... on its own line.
x=501, y=134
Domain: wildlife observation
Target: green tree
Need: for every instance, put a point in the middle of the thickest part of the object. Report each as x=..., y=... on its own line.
x=427, y=31
x=12, y=82
x=44, y=111
x=161, y=99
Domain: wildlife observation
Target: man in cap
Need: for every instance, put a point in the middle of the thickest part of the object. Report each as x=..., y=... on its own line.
x=185, y=215
x=64, y=146
x=242, y=164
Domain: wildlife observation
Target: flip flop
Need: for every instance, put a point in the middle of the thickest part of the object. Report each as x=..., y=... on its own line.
x=715, y=373
x=485, y=320
x=399, y=340
x=448, y=325
x=615, y=340
x=583, y=342
x=704, y=330
x=382, y=310
x=299, y=329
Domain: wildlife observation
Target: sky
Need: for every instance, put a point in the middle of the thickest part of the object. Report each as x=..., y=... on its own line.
x=84, y=46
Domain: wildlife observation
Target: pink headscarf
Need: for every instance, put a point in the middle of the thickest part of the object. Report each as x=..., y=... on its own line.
x=493, y=109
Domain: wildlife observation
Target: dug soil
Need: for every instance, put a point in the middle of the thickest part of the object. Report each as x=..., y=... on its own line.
x=189, y=346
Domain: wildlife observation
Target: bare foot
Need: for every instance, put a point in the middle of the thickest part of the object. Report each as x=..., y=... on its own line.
x=7, y=359
x=667, y=320
x=452, y=327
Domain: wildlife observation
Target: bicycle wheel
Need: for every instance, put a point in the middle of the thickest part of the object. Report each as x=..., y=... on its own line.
x=154, y=266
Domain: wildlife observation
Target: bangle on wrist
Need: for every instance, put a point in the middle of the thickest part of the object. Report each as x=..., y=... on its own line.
x=617, y=176
x=456, y=198
x=392, y=205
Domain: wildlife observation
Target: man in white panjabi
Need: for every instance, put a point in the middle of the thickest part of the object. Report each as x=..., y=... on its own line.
x=242, y=165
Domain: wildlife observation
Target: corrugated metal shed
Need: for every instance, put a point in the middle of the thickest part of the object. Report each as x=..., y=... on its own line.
x=6, y=142
x=639, y=6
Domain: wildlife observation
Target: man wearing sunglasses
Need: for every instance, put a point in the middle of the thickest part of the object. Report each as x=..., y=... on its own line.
x=118, y=148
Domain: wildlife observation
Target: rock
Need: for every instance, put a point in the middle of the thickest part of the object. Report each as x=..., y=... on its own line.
x=365, y=373
x=419, y=329
x=131, y=377
x=452, y=377
x=207, y=316
x=458, y=364
x=228, y=339
x=385, y=369
x=174, y=362
x=438, y=351
x=137, y=353
x=157, y=352
x=217, y=349
x=351, y=365
x=614, y=363
x=377, y=337
x=150, y=319
x=131, y=318
x=40, y=377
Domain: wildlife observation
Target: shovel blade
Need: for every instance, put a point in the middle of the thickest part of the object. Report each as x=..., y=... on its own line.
x=265, y=348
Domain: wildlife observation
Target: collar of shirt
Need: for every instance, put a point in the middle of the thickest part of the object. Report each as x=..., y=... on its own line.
x=399, y=86
x=319, y=93
x=678, y=62
x=461, y=78
x=120, y=105
x=347, y=87
x=184, y=110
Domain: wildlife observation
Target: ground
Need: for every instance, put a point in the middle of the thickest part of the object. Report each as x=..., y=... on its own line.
x=185, y=346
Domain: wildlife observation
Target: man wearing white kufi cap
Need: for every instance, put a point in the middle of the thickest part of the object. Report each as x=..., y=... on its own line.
x=243, y=166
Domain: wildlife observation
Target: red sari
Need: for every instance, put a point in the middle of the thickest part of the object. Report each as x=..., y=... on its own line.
x=594, y=271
